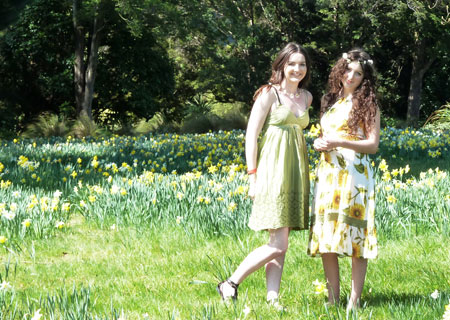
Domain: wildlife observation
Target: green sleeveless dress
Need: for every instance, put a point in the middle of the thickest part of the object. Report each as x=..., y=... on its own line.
x=282, y=179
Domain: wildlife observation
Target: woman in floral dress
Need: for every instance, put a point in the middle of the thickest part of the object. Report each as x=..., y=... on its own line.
x=344, y=194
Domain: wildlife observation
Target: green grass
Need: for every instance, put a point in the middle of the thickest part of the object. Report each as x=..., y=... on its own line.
x=169, y=273
x=150, y=224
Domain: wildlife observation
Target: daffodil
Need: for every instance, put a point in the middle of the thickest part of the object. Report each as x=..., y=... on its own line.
x=320, y=287
x=232, y=206
x=8, y=215
x=26, y=223
x=383, y=166
x=391, y=199
x=65, y=207
x=435, y=294
x=212, y=169
x=5, y=286
x=59, y=225
x=37, y=315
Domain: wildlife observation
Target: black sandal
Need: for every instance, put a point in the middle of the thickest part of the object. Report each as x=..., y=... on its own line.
x=232, y=284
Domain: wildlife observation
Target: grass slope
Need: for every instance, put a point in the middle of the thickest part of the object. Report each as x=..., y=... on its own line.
x=170, y=275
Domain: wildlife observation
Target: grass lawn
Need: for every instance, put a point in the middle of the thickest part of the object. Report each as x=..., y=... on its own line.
x=170, y=275
x=145, y=227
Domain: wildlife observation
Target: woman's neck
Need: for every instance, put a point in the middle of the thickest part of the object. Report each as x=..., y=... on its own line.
x=289, y=87
x=347, y=94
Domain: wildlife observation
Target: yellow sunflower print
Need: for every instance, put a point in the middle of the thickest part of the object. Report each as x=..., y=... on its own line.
x=326, y=157
x=321, y=210
x=342, y=177
x=329, y=178
x=336, y=199
x=344, y=194
x=356, y=250
x=357, y=211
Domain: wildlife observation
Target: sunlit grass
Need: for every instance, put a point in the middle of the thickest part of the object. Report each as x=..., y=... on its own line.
x=135, y=226
x=144, y=270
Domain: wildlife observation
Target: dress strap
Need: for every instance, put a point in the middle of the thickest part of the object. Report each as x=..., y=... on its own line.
x=278, y=97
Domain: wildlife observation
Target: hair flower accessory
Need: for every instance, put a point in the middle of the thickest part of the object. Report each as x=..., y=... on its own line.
x=345, y=56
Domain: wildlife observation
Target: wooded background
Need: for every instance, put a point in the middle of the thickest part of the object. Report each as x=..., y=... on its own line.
x=118, y=61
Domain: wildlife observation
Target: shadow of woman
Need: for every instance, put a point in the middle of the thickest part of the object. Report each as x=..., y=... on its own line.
x=406, y=299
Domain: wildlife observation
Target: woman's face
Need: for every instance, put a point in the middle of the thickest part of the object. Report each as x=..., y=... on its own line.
x=353, y=76
x=295, y=68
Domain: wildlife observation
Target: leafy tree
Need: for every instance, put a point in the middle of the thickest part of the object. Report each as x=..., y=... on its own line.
x=135, y=75
x=9, y=11
x=35, y=63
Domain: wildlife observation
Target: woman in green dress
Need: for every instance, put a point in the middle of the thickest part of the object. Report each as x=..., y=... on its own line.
x=278, y=167
x=343, y=209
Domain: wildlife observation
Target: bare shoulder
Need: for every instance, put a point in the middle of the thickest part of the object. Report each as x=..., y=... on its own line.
x=309, y=96
x=267, y=98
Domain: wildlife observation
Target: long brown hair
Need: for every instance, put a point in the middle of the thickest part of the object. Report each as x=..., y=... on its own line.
x=278, y=67
x=364, y=99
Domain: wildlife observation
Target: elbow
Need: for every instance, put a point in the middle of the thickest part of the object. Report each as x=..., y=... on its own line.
x=373, y=149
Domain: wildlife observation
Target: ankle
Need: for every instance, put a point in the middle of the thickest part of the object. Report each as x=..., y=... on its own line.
x=353, y=303
x=228, y=289
x=275, y=304
x=272, y=296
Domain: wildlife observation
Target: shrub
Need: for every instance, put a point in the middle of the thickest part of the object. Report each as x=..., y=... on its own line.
x=47, y=125
x=197, y=123
x=439, y=119
x=233, y=119
x=86, y=127
x=146, y=126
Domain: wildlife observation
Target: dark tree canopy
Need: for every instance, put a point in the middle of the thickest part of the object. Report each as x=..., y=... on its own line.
x=156, y=55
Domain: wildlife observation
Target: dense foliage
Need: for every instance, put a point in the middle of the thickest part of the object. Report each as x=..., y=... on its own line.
x=158, y=55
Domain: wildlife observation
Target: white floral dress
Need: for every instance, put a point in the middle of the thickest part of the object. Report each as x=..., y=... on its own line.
x=343, y=209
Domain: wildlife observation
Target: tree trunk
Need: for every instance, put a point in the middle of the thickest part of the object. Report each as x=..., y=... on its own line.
x=78, y=67
x=91, y=68
x=85, y=66
x=419, y=67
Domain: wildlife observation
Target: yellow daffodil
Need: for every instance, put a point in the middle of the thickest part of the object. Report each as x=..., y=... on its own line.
x=59, y=225
x=26, y=223
x=232, y=206
x=391, y=199
x=320, y=287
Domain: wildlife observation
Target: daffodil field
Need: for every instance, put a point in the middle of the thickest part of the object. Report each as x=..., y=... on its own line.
x=190, y=191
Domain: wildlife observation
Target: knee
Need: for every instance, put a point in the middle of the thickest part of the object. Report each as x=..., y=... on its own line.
x=281, y=250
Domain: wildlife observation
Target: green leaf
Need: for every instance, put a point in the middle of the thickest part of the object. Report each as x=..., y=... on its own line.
x=359, y=168
x=342, y=162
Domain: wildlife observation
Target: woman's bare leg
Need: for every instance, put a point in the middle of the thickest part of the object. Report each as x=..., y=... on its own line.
x=359, y=269
x=331, y=269
x=277, y=247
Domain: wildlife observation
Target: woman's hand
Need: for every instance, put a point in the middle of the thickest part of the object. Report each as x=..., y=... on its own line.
x=326, y=144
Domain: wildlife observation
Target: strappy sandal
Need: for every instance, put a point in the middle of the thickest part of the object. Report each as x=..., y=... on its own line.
x=233, y=285
x=274, y=303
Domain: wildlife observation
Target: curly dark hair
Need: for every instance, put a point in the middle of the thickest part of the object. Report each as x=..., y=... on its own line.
x=365, y=104
x=279, y=63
